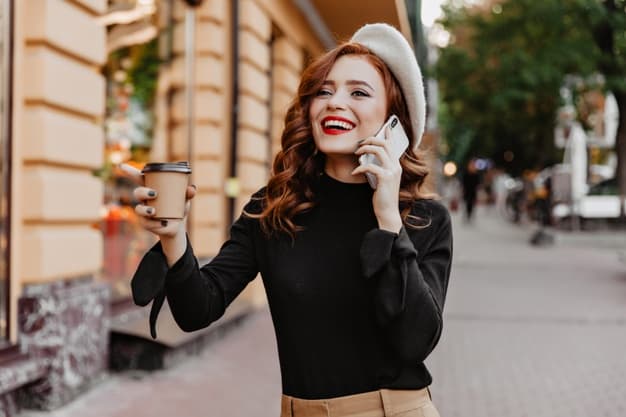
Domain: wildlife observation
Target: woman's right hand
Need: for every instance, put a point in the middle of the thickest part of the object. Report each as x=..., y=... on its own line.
x=162, y=228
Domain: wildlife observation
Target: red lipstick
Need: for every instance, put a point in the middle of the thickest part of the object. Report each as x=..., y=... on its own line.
x=335, y=125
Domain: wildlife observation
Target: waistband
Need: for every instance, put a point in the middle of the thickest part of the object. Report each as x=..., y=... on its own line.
x=380, y=403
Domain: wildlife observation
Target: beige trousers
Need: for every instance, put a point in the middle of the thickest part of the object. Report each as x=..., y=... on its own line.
x=381, y=403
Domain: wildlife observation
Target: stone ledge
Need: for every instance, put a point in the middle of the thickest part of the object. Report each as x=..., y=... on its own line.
x=132, y=347
x=64, y=324
x=19, y=369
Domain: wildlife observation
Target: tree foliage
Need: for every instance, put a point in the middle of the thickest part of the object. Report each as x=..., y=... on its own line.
x=500, y=77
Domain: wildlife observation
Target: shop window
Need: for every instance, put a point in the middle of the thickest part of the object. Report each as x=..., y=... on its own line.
x=5, y=164
x=132, y=73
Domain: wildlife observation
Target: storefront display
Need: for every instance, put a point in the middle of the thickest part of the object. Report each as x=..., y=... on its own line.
x=131, y=73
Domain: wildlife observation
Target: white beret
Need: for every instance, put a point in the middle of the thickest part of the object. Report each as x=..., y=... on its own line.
x=389, y=45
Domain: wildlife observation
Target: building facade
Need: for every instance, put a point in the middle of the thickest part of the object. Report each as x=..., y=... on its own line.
x=91, y=83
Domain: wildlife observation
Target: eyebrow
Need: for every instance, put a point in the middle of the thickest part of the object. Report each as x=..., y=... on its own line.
x=351, y=82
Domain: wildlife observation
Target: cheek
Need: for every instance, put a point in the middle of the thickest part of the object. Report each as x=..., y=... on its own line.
x=381, y=112
x=314, y=109
x=313, y=112
x=375, y=117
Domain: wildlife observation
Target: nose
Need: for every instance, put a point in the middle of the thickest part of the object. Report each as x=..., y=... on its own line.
x=337, y=101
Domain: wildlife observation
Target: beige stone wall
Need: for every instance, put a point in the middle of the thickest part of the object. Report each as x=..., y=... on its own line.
x=288, y=63
x=253, y=146
x=291, y=23
x=261, y=102
x=212, y=118
x=59, y=105
x=255, y=33
x=58, y=109
x=272, y=40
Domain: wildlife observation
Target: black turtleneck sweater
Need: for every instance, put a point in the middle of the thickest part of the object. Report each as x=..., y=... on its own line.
x=355, y=308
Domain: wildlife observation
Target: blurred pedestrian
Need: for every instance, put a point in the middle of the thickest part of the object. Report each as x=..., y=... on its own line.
x=543, y=200
x=543, y=208
x=471, y=180
x=500, y=189
x=356, y=278
x=451, y=192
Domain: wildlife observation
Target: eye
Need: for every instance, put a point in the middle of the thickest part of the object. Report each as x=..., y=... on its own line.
x=360, y=93
x=324, y=92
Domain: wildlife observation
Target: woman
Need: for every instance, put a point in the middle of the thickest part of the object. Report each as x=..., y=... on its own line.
x=355, y=278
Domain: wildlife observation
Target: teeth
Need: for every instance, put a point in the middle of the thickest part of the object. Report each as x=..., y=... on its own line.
x=337, y=124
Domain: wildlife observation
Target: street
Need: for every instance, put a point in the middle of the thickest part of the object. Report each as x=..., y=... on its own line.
x=527, y=332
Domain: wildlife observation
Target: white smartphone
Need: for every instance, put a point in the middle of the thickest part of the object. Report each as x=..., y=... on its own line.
x=399, y=143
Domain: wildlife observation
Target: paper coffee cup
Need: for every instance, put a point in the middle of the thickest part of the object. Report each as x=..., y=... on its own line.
x=170, y=181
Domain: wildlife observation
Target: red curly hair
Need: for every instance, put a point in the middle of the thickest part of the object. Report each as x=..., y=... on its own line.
x=297, y=165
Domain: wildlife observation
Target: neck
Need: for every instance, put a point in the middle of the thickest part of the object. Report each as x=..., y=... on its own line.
x=340, y=167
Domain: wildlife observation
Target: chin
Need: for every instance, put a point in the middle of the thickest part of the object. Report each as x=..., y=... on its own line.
x=337, y=152
x=332, y=147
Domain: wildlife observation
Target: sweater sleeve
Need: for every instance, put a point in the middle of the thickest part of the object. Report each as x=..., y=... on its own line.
x=197, y=296
x=410, y=294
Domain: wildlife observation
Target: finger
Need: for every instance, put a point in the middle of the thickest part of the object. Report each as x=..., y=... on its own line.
x=144, y=193
x=379, y=151
x=169, y=226
x=373, y=141
x=380, y=172
x=161, y=227
x=381, y=142
x=191, y=192
x=145, y=211
x=156, y=226
x=131, y=172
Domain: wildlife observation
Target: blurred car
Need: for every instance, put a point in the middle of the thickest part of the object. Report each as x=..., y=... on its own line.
x=600, y=202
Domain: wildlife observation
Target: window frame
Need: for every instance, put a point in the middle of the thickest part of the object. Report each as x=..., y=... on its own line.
x=6, y=129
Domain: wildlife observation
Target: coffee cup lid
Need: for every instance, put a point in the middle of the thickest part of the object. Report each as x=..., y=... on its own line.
x=167, y=167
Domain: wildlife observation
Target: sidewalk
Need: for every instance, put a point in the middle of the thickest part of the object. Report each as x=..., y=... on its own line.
x=237, y=376
x=531, y=331
x=527, y=332
x=598, y=236
x=612, y=240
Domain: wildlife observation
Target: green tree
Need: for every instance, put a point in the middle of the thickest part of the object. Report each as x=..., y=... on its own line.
x=500, y=78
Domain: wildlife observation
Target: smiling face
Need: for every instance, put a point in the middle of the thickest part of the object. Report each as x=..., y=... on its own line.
x=351, y=105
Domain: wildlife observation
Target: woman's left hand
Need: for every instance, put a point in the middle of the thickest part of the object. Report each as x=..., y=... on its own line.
x=389, y=174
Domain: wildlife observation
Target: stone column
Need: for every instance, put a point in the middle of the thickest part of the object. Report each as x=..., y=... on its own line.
x=212, y=117
x=59, y=108
x=65, y=327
